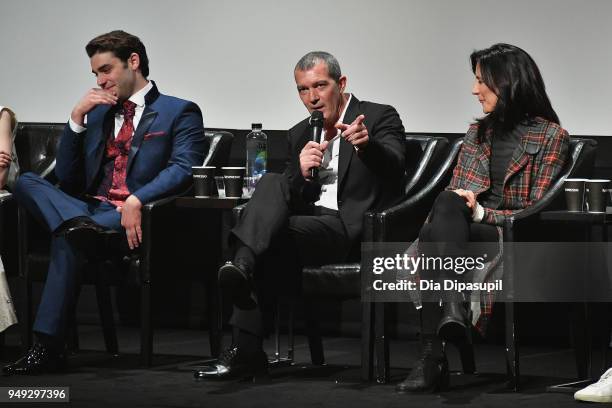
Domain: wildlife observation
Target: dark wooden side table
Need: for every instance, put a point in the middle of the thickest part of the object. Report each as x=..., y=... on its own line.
x=224, y=206
x=581, y=323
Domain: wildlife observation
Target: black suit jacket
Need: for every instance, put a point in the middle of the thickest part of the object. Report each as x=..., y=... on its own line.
x=369, y=180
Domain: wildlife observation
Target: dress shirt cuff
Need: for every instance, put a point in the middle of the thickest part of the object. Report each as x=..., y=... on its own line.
x=76, y=128
x=478, y=214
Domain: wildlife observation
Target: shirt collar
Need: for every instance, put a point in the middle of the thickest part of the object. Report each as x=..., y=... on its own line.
x=139, y=97
x=340, y=120
x=348, y=101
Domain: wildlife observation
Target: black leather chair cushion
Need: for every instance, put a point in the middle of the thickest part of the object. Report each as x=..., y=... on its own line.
x=336, y=281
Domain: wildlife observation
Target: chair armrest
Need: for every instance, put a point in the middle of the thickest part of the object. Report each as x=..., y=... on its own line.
x=402, y=222
x=150, y=211
x=161, y=203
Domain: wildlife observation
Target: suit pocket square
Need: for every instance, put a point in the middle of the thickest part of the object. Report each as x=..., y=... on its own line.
x=151, y=135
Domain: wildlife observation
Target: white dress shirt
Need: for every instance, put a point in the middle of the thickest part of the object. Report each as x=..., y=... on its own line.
x=328, y=172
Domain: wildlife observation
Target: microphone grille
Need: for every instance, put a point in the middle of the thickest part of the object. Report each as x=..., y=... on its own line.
x=316, y=118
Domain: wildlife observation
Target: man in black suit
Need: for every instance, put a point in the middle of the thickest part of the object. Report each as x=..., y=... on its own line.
x=293, y=220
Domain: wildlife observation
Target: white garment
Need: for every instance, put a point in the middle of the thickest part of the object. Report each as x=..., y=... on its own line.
x=7, y=308
x=328, y=172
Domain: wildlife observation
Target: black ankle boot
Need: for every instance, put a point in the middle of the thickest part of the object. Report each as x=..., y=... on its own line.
x=430, y=372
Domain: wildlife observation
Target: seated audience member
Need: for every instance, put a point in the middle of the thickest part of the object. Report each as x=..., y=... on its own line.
x=125, y=145
x=293, y=219
x=507, y=162
x=8, y=174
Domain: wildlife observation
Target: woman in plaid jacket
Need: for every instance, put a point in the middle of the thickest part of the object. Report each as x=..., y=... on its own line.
x=507, y=162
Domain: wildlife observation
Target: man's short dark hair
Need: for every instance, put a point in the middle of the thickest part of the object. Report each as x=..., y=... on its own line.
x=121, y=44
x=313, y=58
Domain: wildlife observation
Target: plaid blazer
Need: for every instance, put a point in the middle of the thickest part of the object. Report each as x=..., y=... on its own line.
x=535, y=164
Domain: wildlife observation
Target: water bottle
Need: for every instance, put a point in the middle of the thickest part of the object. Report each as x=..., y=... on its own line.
x=256, y=153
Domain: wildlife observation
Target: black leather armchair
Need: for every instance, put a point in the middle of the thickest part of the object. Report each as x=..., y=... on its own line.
x=343, y=281
x=34, y=254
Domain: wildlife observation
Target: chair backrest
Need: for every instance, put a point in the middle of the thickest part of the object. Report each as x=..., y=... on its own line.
x=423, y=157
x=444, y=172
x=36, y=145
x=220, y=147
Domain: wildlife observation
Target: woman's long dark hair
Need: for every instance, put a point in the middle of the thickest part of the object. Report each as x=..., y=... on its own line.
x=516, y=80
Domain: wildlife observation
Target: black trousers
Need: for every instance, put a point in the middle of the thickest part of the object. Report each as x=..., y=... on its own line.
x=285, y=236
x=450, y=232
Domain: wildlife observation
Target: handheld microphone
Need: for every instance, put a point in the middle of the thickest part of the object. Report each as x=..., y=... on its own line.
x=316, y=124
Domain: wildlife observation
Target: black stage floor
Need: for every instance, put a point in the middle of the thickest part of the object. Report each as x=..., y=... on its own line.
x=98, y=379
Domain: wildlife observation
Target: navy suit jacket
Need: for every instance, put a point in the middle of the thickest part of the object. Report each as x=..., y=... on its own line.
x=168, y=141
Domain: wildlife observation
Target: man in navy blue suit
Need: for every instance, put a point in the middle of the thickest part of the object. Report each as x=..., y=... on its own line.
x=125, y=145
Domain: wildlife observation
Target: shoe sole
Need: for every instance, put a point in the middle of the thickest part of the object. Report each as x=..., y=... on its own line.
x=594, y=398
x=262, y=378
x=259, y=376
x=231, y=277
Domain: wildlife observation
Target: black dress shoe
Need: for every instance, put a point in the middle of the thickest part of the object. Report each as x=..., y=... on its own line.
x=38, y=360
x=430, y=373
x=233, y=275
x=90, y=238
x=78, y=222
x=235, y=281
x=235, y=363
x=454, y=324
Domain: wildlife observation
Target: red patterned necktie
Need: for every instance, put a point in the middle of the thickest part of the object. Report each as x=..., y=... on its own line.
x=120, y=150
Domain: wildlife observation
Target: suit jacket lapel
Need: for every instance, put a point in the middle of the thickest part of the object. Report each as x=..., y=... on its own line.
x=148, y=115
x=97, y=145
x=346, y=149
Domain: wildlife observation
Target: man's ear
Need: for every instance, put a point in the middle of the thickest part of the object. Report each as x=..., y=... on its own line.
x=133, y=61
x=342, y=83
